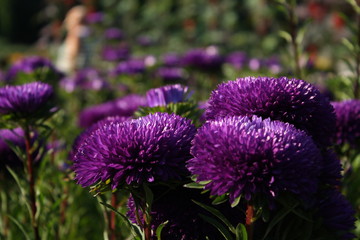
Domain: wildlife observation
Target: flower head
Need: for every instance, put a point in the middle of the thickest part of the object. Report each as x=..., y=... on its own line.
x=347, y=121
x=171, y=73
x=337, y=214
x=113, y=33
x=88, y=78
x=130, y=67
x=88, y=131
x=289, y=100
x=147, y=149
x=251, y=157
x=204, y=59
x=237, y=59
x=166, y=94
x=116, y=53
x=125, y=106
x=25, y=101
x=31, y=64
x=171, y=60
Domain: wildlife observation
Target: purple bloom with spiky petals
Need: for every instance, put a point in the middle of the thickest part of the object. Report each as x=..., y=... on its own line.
x=29, y=65
x=337, y=214
x=87, y=132
x=25, y=100
x=125, y=106
x=167, y=94
x=347, y=121
x=330, y=169
x=250, y=157
x=88, y=79
x=147, y=149
x=288, y=100
x=183, y=215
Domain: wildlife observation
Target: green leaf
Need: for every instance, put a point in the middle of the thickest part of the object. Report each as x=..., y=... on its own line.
x=278, y=217
x=240, y=232
x=159, y=229
x=149, y=196
x=18, y=224
x=135, y=230
x=218, y=214
x=227, y=235
x=285, y=35
x=236, y=201
x=220, y=199
x=194, y=185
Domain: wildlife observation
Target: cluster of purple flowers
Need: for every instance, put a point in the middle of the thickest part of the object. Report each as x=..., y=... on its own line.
x=31, y=64
x=86, y=79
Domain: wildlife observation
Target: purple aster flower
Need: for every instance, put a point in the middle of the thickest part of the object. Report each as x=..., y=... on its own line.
x=171, y=73
x=31, y=64
x=115, y=53
x=25, y=100
x=147, y=149
x=16, y=138
x=347, y=122
x=113, y=34
x=125, y=106
x=337, y=214
x=331, y=169
x=204, y=59
x=171, y=60
x=182, y=215
x=167, y=94
x=237, y=59
x=252, y=157
x=87, y=132
x=130, y=67
x=289, y=100
x=88, y=79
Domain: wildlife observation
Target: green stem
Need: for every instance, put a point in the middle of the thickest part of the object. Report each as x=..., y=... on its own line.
x=112, y=218
x=357, y=77
x=293, y=34
x=31, y=180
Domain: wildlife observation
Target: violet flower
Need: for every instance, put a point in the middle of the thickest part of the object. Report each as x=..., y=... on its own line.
x=87, y=79
x=167, y=94
x=336, y=213
x=347, y=122
x=251, y=157
x=148, y=149
x=31, y=64
x=129, y=67
x=289, y=100
x=25, y=101
x=204, y=59
x=125, y=106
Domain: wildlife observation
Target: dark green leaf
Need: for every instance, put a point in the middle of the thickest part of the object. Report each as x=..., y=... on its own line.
x=159, y=229
x=222, y=229
x=218, y=214
x=240, y=232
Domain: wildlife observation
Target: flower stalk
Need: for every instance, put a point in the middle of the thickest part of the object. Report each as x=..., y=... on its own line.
x=31, y=181
x=249, y=221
